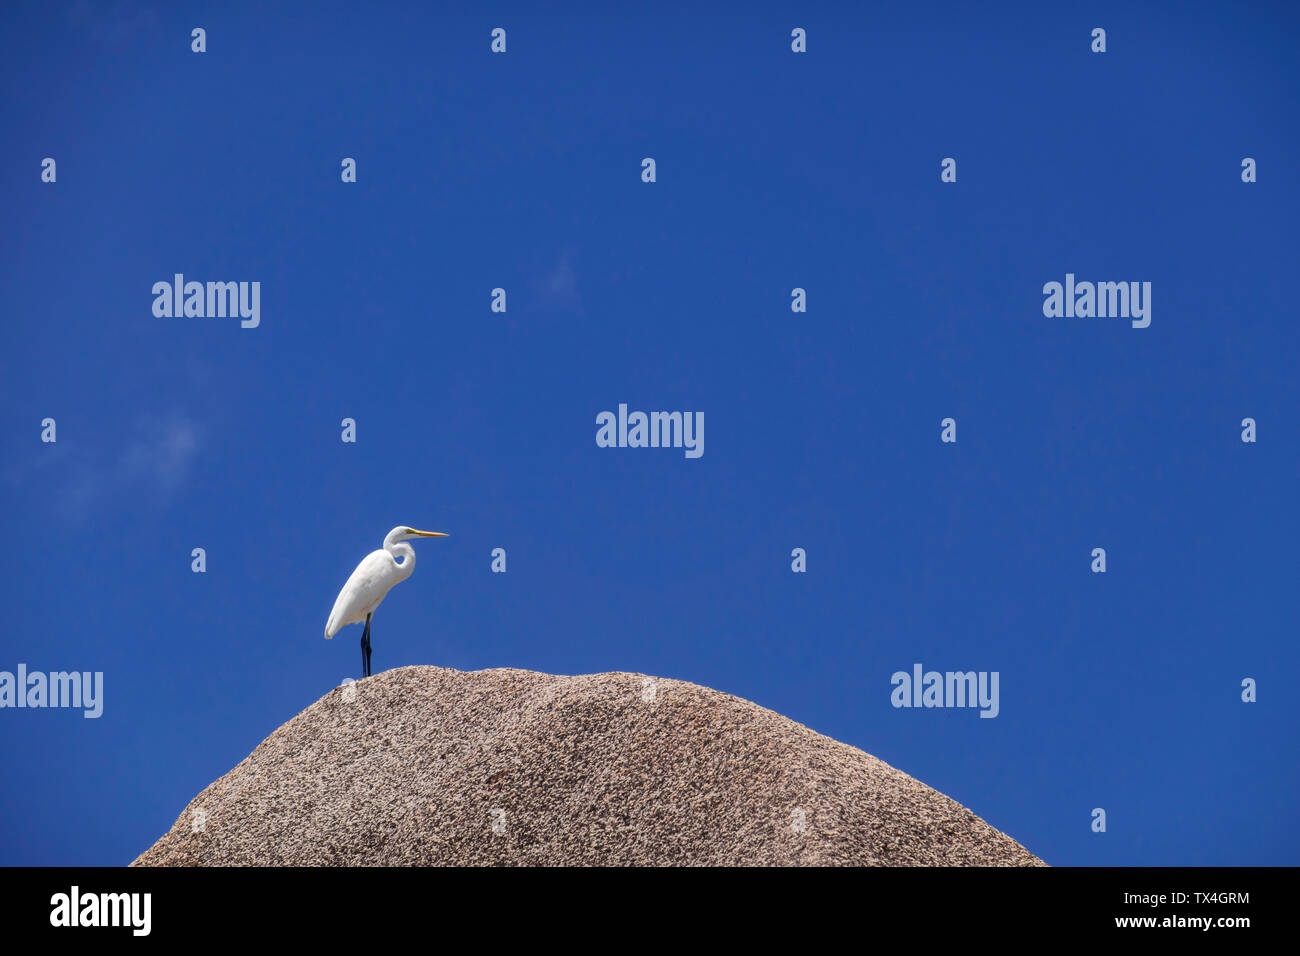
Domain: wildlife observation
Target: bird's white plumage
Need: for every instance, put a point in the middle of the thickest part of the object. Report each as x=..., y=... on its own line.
x=364, y=590
x=373, y=578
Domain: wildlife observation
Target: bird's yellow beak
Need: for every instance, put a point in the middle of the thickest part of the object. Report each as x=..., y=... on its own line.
x=430, y=534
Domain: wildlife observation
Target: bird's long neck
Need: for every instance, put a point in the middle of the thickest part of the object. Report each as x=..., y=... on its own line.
x=401, y=549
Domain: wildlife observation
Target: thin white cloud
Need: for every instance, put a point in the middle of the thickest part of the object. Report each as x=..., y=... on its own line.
x=155, y=461
x=163, y=458
x=558, y=288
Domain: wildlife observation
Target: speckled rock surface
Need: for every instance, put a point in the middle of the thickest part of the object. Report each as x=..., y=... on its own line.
x=431, y=766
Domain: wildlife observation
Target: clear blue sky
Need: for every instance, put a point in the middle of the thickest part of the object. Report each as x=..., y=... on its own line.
x=775, y=170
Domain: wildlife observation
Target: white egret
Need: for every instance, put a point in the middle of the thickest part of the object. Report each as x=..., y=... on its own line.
x=371, y=582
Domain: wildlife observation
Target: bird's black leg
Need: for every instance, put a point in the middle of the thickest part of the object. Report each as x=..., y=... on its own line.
x=365, y=647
